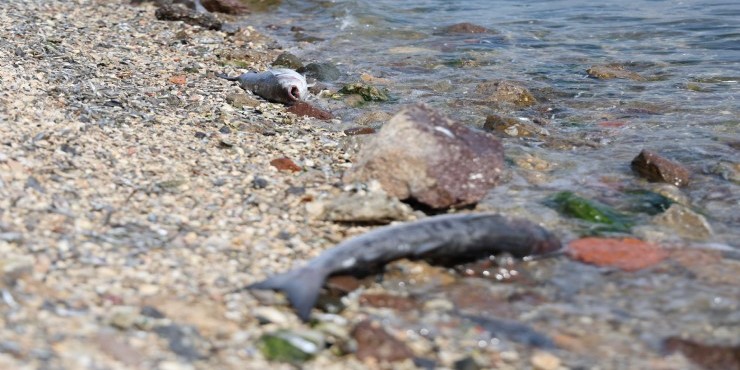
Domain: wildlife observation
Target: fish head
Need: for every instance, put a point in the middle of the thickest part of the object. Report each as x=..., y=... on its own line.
x=293, y=83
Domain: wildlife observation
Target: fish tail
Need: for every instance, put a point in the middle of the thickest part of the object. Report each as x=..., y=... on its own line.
x=302, y=287
x=226, y=77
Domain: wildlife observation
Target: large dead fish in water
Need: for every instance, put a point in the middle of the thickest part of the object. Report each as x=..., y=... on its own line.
x=440, y=239
x=276, y=85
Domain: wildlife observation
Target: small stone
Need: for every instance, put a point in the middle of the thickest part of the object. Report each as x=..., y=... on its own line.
x=285, y=164
x=178, y=80
x=200, y=135
x=685, y=222
x=259, y=183
x=124, y=317
x=270, y=315
x=395, y=302
x=182, y=340
x=234, y=7
x=12, y=269
x=224, y=130
x=118, y=349
x=374, y=342
x=377, y=208
x=514, y=126
x=467, y=363
x=241, y=100
x=545, y=361
x=653, y=167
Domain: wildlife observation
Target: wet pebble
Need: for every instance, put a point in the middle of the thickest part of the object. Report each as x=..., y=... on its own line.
x=325, y=72
x=685, y=222
x=654, y=167
x=626, y=254
x=359, y=131
x=375, y=342
x=285, y=164
x=505, y=93
x=288, y=60
x=304, y=109
x=611, y=71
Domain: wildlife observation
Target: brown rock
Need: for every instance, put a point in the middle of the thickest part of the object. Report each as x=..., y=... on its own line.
x=178, y=80
x=448, y=164
x=359, y=131
x=241, y=100
x=380, y=300
x=466, y=27
x=235, y=7
x=655, y=168
x=285, y=164
x=374, y=342
x=307, y=110
x=179, y=12
x=506, y=92
x=610, y=71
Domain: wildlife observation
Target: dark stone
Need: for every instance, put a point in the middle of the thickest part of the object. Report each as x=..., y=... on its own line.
x=287, y=60
x=655, y=168
x=321, y=71
x=467, y=363
x=466, y=27
x=374, y=342
x=152, y=312
x=449, y=165
x=259, y=183
x=296, y=190
x=200, y=135
x=224, y=130
x=182, y=340
x=178, y=12
x=304, y=109
x=380, y=300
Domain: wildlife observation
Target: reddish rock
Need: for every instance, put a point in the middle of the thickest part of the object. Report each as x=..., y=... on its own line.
x=655, y=168
x=307, y=110
x=466, y=27
x=627, y=254
x=178, y=80
x=374, y=342
x=235, y=7
x=448, y=164
x=285, y=164
x=343, y=283
x=359, y=131
x=395, y=302
x=707, y=356
x=506, y=92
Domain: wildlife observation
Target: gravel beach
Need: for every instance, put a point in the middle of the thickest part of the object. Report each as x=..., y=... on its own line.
x=139, y=193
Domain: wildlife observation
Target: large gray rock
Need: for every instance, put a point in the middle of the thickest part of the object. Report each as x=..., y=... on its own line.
x=422, y=154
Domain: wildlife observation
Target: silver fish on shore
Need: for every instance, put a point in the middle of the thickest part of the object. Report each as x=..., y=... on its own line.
x=444, y=239
x=276, y=85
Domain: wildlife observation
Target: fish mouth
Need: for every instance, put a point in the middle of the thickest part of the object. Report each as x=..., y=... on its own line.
x=294, y=93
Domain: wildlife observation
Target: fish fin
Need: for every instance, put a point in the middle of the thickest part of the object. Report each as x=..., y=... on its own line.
x=301, y=286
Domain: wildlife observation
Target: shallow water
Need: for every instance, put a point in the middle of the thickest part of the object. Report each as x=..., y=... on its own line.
x=687, y=109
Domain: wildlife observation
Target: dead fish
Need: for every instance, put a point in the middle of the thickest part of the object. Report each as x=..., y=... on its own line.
x=276, y=85
x=444, y=239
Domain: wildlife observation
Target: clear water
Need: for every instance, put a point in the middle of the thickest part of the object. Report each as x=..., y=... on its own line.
x=687, y=110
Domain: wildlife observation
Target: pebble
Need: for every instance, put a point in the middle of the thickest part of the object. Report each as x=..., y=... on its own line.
x=545, y=361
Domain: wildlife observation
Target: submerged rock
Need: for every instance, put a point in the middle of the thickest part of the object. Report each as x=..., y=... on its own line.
x=518, y=127
x=685, y=222
x=708, y=356
x=325, y=72
x=611, y=71
x=374, y=342
x=448, y=164
x=506, y=92
x=584, y=209
x=367, y=92
x=288, y=60
x=466, y=27
x=626, y=254
x=655, y=168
